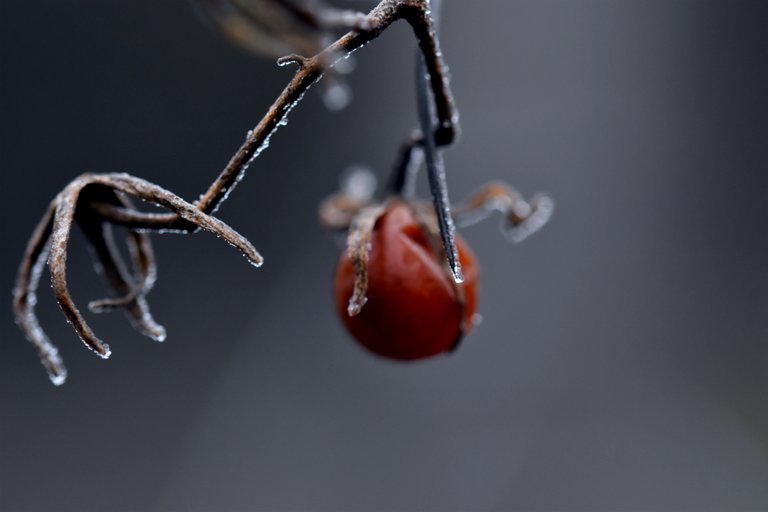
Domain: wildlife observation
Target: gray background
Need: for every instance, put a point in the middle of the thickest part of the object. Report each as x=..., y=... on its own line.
x=623, y=359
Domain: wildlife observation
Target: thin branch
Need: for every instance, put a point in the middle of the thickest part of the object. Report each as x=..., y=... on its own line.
x=381, y=17
x=436, y=174
x=415, y=12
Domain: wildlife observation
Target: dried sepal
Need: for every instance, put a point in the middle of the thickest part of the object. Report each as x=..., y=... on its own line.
x=520, y=218
x=81, y=203
x=358, y=251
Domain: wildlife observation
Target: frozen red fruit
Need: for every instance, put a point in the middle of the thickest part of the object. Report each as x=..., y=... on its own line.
x=414, y=309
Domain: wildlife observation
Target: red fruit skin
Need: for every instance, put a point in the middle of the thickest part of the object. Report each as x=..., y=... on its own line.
x=412, y=311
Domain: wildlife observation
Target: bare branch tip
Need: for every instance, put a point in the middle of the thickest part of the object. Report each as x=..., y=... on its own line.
x=457, y=274
x=293, y=58
x=255, y=259
x=57, y=379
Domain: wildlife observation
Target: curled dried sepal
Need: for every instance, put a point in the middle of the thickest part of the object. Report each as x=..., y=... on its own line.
x=25, y=298
x=358, y=251
x=520, y=218
x=84, y=202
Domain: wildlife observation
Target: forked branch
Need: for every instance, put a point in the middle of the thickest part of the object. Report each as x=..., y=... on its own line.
x=96, y=202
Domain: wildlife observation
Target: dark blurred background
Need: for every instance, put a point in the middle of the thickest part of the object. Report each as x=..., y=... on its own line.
x=623, y=359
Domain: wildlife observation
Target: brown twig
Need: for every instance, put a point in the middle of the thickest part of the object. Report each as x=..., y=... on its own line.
x=415, y=12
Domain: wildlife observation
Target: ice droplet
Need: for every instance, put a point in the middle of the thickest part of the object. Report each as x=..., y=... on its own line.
x=58, y=378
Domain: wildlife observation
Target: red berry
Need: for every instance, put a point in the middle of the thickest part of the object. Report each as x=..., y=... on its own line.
x=414, y=309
